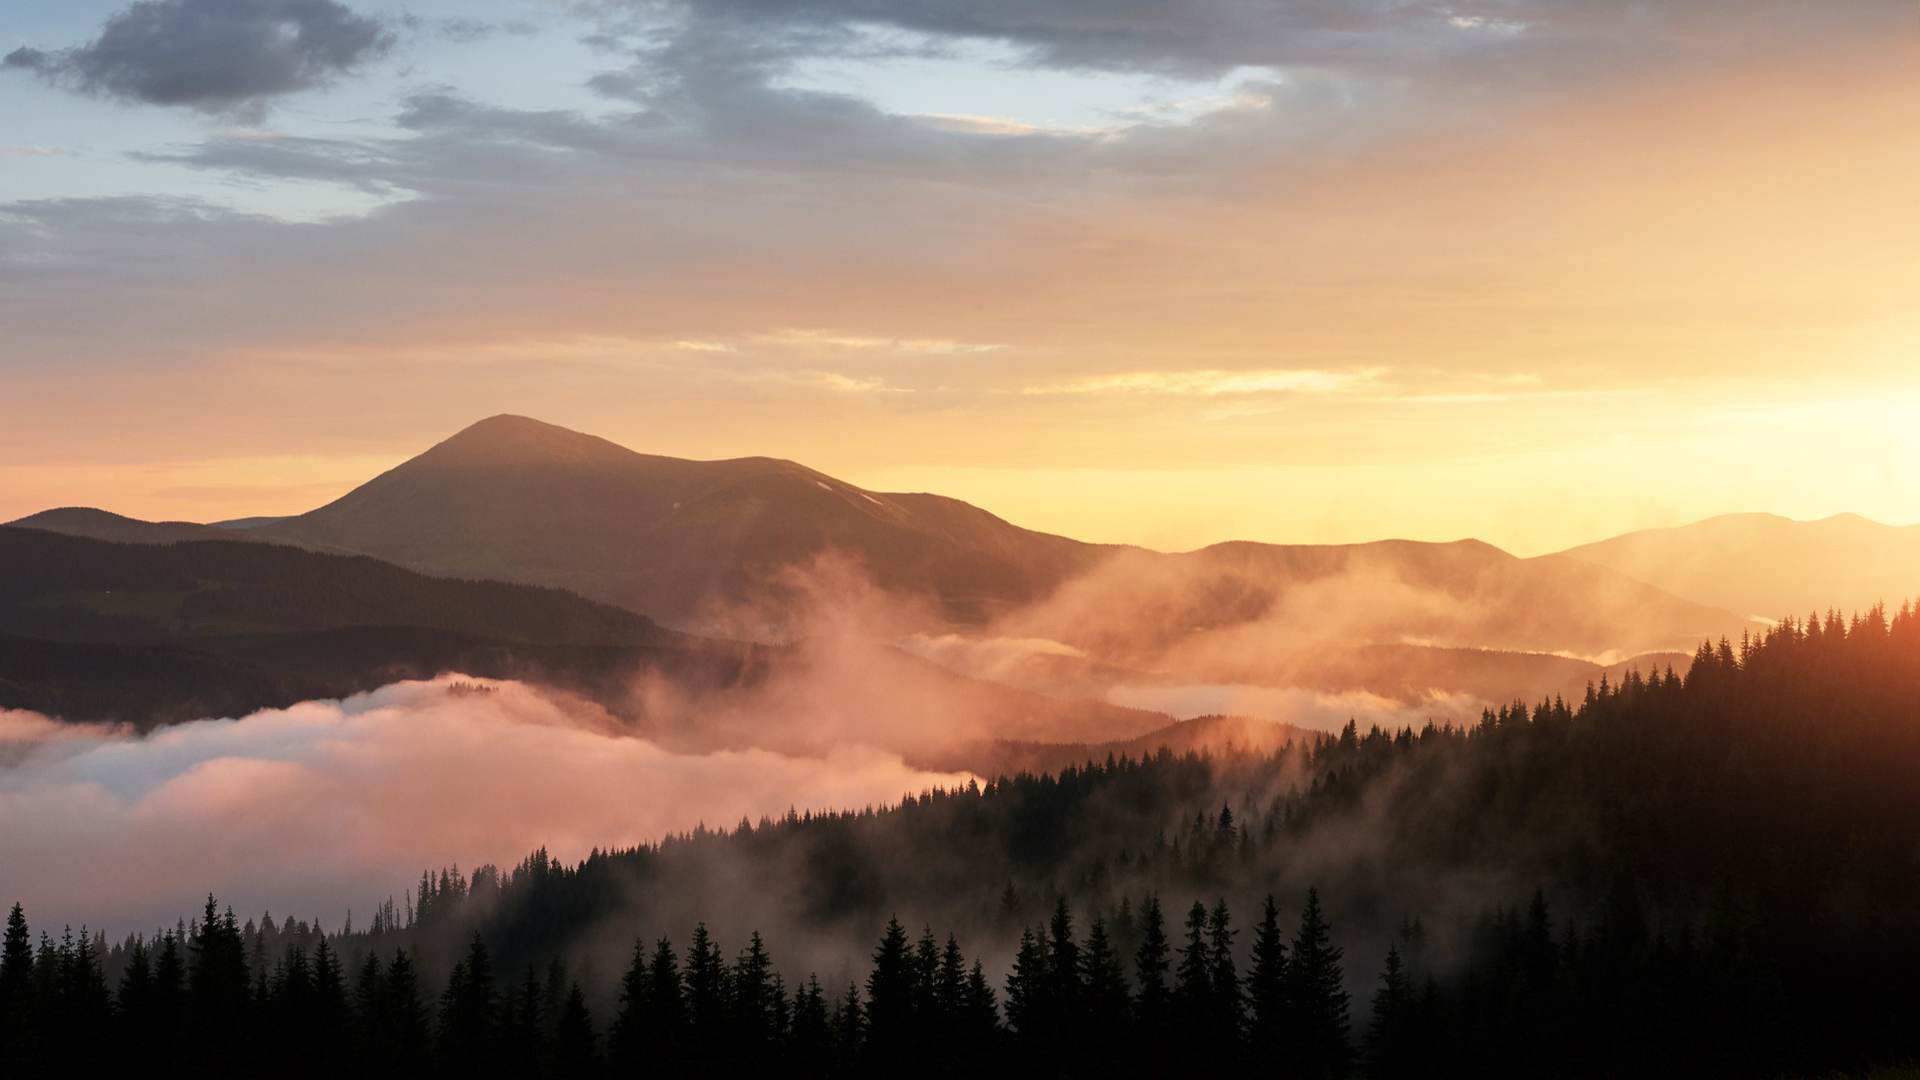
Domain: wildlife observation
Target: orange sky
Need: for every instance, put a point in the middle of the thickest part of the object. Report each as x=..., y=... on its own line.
x=1540, y=298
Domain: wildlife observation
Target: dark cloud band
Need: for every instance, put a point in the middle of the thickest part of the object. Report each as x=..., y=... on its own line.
x=221, y=56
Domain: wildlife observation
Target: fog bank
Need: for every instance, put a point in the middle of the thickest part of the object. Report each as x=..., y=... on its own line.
x=328, y=806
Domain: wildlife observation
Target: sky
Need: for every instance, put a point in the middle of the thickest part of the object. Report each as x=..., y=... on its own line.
x=1534, y=271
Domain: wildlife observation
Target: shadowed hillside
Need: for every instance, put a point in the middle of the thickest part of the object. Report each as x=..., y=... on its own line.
x=149, y=634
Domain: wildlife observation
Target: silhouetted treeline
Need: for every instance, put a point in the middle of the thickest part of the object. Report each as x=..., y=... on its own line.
x=204, y=1000
x=1713, y=874
x=1126, y=996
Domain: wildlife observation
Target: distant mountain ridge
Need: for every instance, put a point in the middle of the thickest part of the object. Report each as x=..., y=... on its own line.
x=1768, y=566
x=96, y=524
x=511, y=498
x=727, y=544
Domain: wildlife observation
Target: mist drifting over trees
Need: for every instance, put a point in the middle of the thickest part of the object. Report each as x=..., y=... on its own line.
x=1703, y=875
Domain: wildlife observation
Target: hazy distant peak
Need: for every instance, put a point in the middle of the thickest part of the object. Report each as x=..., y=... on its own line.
x=97, y=524
x=508, y=439
x=61, y=515
x=1768, y=564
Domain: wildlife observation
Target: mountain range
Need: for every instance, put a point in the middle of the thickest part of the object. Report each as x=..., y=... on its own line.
x=685, y=559
x=1768, y=566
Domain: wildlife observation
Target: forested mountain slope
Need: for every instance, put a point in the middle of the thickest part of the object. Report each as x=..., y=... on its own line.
x=1708, y=875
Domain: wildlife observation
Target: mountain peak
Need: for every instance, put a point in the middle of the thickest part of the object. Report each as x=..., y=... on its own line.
x=508, y=439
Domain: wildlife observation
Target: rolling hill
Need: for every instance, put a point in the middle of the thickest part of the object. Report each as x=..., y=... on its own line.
x=104, y=525
x=1768, y=566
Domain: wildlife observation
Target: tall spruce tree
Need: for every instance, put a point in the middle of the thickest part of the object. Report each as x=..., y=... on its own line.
x=16, y=989
x=1317, y=997
x=1267, y=986
x=759, y=1007
x=576, y=1050
x=1193, y=983
x=1152, y=1005
x=470, y=1014
x=1392, y=1040
x=891, y=988
x=708, y=1008
x=810, y=1038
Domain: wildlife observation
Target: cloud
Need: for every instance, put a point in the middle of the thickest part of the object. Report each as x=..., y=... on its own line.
x=827, y=339
x=463, y=29
x=1210, y=37
x=1292, y=705
x=217, y=56
x=328, y=805
x=1214, y=383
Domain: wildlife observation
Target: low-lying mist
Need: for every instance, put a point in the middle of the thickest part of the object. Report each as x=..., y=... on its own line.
x=330, y=805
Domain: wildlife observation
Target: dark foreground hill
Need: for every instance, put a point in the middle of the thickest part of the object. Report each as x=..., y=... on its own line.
x=148, y=634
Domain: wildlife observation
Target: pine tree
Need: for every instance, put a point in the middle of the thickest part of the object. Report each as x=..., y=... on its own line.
x=327, y=1021
x=217, y=992
x=1062, y=1002
x=523, y=1037
x=1391, y=1042
x=576, y=1052
x=850, y=1030
x=86, y=1008
x=707, y=1001
x=950, y=983
x=1266, y=985
x=135, y=1000
x=404, y=1020
x=371, y=1036
x=979, y=1024
x=1317, y=997
x=169, y=1003
x=1223, y=981
x=470, y=1013
x=1026, y=984
x=926, y=980
x=757, y=1006
x=1151, y=1005
x=663, y=1021
x=1107, y=1004
x=627, y=1047
x=810, y=1042
x=890, y=999
x=1193, y=981
x=16, y=988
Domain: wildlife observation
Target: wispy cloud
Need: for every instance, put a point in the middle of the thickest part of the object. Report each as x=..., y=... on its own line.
x=980, y=125
x=827, y=339
x=1216, y=383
